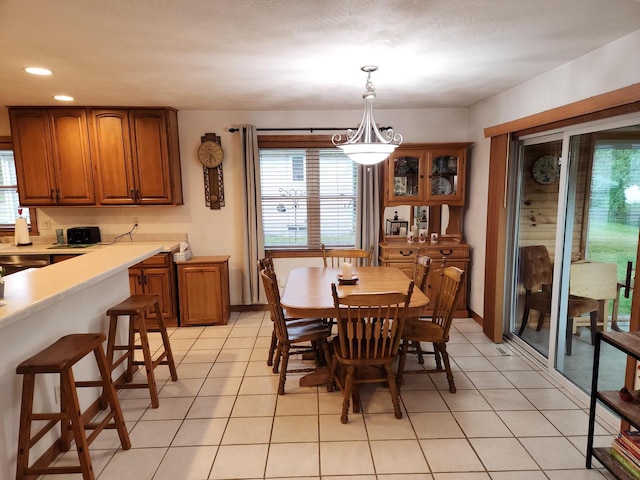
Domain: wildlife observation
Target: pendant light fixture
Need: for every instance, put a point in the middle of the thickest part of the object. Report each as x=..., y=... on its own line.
x=368, y=145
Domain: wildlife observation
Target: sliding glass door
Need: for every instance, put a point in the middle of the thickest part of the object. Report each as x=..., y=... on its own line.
x=575, y=219
x=536, y=220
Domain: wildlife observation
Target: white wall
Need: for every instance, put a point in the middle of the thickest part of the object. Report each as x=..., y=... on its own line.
x=219, y=232
x=608, y=68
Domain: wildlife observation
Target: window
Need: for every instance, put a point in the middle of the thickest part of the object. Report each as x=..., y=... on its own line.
x=308, y=197
x=9, y=202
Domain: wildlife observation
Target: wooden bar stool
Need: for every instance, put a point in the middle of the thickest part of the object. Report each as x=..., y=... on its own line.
x=136, y=308
x=58, y=358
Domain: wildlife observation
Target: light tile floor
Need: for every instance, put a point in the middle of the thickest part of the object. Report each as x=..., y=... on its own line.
x=224, y=420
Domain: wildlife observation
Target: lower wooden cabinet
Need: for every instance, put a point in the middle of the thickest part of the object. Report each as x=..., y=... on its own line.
x=157, y=274
x=402, y=255
x=203, y=283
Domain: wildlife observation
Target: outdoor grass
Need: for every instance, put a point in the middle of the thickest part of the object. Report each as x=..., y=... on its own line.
x=614, y=243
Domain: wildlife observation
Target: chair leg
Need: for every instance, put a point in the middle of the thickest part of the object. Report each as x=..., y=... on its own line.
x=541, y=318
x=393, y=390
x=283, y=369
x=419, y=352
x=436, y=355
x=346, y=396
x=442, y=348
x=276, y=360
x=324, y=345
x=334, y=381
x=569, y=336
x=525, y=320
x=402, y=359
x=594, y=325
x=272, y=347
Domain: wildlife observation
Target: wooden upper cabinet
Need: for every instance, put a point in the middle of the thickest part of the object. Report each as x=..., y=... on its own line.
x=153, y=158
x=427, y=174
x=97, y=156
x=53, y=163
x=111, y=151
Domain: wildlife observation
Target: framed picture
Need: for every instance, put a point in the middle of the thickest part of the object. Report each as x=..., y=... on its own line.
x=399, y=185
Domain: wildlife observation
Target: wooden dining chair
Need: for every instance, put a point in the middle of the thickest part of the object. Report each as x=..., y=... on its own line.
x=337, y=256
x=436, y=329
x=369, y=330
x=266, y=265
x=312, y=334
x=420, y=275
x=536, y=272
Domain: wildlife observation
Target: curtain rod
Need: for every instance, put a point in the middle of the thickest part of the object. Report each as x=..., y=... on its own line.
x=311, y=129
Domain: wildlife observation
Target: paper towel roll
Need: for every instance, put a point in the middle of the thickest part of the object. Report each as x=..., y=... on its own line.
x=22, y=232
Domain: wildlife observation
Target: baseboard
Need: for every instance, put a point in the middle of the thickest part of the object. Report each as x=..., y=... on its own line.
x=479, y=320
x=250, y=308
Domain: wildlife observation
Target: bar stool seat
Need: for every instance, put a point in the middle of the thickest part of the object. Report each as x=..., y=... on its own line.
x=136, y=308
x=59, y=358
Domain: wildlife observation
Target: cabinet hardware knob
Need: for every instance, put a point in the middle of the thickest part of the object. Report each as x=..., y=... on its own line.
x=133, y=194
x=51, y=194
x=406, y=254
x=447, y=252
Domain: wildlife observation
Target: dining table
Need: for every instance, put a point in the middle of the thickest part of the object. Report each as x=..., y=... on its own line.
x=307, y=294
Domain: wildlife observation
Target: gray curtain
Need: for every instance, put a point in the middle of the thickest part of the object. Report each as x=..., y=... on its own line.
x=253, y=247
x=368, y=208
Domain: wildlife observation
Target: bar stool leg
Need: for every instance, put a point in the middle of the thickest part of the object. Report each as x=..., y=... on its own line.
x=112, y=398
x=148, y=361
x=74, y=415
x=24, y=435
x=165, y=342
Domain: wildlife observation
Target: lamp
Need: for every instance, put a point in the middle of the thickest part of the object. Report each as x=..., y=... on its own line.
x=368, y=145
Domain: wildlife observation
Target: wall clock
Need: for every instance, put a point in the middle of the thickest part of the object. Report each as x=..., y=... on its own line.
x=210, y=154
x=546, y=169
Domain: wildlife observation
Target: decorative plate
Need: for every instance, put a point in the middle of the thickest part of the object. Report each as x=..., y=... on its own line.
x=440, y=186
x=546, y=169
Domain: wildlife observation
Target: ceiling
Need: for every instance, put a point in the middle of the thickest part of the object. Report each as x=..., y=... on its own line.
x=293, y=54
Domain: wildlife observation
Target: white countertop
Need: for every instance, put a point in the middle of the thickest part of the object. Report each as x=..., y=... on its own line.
x=31, y=290
x=45, y=248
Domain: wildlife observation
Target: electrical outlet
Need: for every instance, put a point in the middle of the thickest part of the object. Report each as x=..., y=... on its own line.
x=46, y=224
x=56, y=393
x=135, y=221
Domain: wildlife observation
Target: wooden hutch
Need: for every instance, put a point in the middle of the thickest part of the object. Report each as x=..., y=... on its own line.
x=427, y=183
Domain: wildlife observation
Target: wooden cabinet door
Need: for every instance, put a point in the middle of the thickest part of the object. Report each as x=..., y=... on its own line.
x=150, y=154
x=157, y=280
x=136, y=286
x=201, y=295
x=111, y=152
x=446, y=171
x=71, y=157
x=31, y=135
x=406, y=178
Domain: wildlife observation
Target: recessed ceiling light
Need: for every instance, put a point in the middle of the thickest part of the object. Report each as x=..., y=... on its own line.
x=38, y=71
x=63, y=98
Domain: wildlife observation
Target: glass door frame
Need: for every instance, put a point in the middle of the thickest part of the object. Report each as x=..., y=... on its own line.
x=566, y=206
x=516, y=173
